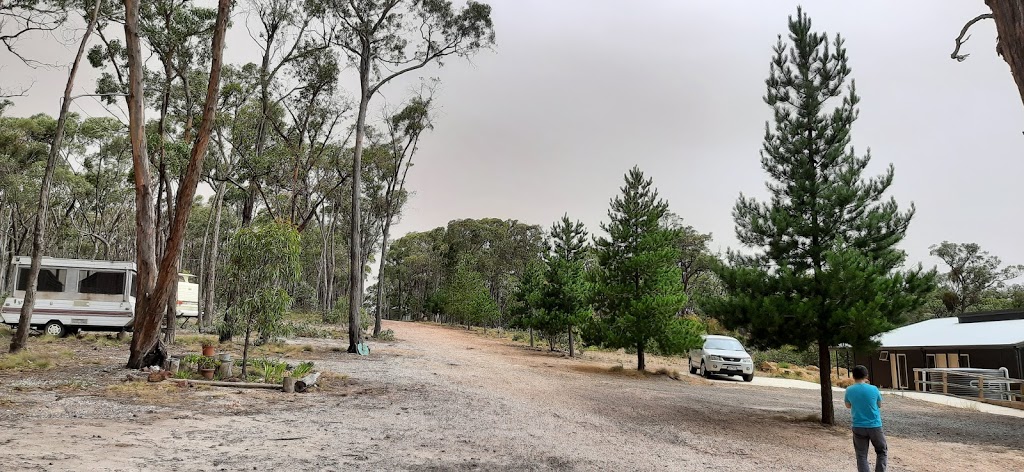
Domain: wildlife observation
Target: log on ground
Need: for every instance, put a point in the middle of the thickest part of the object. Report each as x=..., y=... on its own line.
x=218, y=383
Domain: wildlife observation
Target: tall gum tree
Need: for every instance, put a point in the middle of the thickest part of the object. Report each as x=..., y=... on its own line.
x=20, y=338
x=1009, y=18
x=156, y=282
x=386, y=39
x=403, y=135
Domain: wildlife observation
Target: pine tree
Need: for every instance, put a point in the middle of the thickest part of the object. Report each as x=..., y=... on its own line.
x=826, y=266
x=525, y=304
x=637, y=290
x=564, y=295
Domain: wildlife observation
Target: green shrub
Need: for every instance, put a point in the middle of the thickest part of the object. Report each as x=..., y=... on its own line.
x=269, y=370
x=386, y=335
x=208, y=363
x=338, y=314
x=365, y=319
x=302, y=369
x=307, y=330
x=787, y=354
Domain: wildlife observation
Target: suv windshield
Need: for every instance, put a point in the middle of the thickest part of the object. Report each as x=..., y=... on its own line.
x=723, y=344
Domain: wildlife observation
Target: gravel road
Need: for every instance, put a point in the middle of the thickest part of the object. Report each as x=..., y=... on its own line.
x=442, y=398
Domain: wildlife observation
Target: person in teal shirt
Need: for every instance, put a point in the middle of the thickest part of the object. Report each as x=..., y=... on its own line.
x=864, y=400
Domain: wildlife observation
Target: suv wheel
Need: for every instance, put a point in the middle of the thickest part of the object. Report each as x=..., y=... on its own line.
x=748, y=377
x=689, y=362
x=704, y=371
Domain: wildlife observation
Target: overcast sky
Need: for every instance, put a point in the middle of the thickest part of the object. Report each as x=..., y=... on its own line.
x=578, y=91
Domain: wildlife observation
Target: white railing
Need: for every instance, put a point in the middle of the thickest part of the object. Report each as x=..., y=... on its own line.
x=982, y=384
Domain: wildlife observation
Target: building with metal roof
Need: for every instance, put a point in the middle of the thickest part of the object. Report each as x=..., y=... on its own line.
x=987, y=340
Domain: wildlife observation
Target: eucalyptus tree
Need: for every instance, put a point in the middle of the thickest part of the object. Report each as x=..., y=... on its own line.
x=24, y=146
x=287, y=34
x=177, y=33
x=263, y=259
x=403, y=134
x=1009, y=20
x=22, y=19
x=233, y=133
x=156, y=282
x=20, y=338
x=972, y=274
x=102, y=205
x=385, y=39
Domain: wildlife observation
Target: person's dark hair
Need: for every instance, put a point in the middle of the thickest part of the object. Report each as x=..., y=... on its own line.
x=860, y=372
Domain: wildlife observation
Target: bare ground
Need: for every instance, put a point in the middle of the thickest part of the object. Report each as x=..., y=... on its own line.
x=443, y=398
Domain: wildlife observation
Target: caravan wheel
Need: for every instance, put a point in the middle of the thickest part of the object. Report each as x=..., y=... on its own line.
x=54, y=328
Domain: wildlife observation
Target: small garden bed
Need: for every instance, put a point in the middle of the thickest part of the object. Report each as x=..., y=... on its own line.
x=223, y=369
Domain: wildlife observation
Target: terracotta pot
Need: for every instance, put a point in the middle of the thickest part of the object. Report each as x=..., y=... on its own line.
x=208, y=373
x=208, y=351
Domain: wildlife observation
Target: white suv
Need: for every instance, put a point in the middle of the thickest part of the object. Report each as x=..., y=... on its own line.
x=721, y=355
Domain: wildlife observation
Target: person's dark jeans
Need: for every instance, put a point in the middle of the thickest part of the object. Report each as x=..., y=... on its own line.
x=874, y=436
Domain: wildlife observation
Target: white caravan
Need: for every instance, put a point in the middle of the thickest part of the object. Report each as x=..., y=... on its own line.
x=75, y=295
x=188, y=297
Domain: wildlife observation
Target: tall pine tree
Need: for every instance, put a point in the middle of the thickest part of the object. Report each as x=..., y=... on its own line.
x=525, y=305
x=826, y=269
x=637, y=290
x=564, y=295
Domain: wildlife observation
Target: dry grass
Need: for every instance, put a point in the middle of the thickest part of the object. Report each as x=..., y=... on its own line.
x=620, y=370
x=47, y=339
x=33, y=359
x=617, y=369
x=73, y=385
x=330, y=381
x=799, y=417
x=670, y=373
x=106, y=340
x=304, y=317
x=153, y=393
x=807, y=374
x=280, y=349
x=194, y=341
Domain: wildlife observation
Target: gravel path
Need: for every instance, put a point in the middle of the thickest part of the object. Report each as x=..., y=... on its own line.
x=445, y=399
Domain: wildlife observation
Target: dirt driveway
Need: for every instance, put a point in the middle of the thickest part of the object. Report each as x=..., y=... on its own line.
x=441, y=398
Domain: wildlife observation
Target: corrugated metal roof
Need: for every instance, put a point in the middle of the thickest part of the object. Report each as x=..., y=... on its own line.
x=940, y=332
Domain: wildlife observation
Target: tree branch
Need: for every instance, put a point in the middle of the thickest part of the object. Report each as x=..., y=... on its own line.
x=312, y=211
x=960, y=40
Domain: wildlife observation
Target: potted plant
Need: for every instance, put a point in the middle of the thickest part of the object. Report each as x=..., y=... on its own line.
x=207, y=367
x=208, y=350
x=190, y=362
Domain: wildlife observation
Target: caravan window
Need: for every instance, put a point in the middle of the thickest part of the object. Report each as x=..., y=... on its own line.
x=50, y=280
x=105, y=283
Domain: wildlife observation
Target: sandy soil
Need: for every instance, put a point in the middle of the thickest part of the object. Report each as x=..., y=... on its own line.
x=441, y=398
